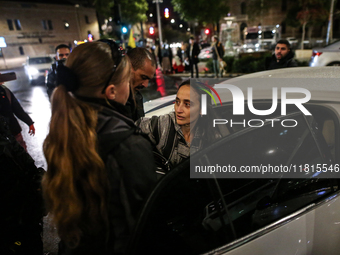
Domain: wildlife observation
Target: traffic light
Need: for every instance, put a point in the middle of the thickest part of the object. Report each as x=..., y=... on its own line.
x=166, y=13
x=207, y=31
x=151, y=31
x=124, y=30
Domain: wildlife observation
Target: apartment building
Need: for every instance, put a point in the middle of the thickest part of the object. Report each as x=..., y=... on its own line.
x=34, y=29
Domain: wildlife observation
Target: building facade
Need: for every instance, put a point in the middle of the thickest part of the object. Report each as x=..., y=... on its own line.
x=35, y=29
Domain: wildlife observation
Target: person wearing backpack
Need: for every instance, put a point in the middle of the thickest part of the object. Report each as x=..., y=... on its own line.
x=218, y=52
x=9, y=108
x=100, y=168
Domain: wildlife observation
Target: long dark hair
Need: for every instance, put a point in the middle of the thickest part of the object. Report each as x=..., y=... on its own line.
x=76, y=186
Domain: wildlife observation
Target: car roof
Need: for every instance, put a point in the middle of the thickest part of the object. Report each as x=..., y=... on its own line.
x=322, y=82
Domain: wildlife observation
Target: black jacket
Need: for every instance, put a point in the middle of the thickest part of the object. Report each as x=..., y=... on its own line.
x=131, y=171
x=11, y=107
x=135, y=106
x=51, y=80
x=195, y=51
x=287, y=61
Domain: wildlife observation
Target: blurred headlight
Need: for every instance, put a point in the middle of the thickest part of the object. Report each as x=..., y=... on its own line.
x=32, y=71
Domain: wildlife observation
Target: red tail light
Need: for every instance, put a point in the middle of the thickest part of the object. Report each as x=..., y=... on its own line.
x=316, y=53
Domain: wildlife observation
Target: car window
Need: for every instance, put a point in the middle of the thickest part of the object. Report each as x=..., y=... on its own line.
x=324, y=120
x=42, y=60
x=193, y=216
x=250, y=204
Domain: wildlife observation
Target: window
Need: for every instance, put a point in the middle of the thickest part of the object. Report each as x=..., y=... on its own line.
x=44, y=25
x=50, y=26
x=87, y=19
x=10, y=24
x=17, y=24
x=284, y=5
x=243, y=8
x=21, y=50
x=173, y=225
x=283, y=27
x=39, y=60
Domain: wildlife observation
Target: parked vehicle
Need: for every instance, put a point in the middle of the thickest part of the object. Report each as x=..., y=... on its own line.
x=206, y=53
x=36, y=68
x=261, y=37
x=326, y=56
x=273, y=214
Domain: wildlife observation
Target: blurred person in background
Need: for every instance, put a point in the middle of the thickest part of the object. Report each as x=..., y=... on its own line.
x=100, y=169
x=192, y=52
x=218, y=53
x=282, y=57
x=62, y=52
x=143, y=70
x=9, y=108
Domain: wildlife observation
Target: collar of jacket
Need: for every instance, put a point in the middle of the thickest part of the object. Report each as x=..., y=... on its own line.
x=103, y=103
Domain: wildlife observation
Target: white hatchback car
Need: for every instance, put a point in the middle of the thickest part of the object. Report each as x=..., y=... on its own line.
x=327, y=56
x=262, y=214
x=36, y=67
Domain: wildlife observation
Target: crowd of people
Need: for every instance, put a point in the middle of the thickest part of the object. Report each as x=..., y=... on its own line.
x=99, y=150
x=102, y=152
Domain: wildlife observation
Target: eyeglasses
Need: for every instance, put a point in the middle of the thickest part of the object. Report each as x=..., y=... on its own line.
x=117, y=54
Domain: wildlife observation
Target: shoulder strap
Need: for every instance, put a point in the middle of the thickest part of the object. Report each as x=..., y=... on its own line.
x=8, y=93
x=218, y=55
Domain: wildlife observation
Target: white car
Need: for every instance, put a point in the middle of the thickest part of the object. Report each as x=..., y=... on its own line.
x=235, y=213
x=206, y=53
x=36, y=67
x=327, y=56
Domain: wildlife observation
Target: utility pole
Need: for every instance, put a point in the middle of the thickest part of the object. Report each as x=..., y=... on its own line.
x=159, y=21
x=330, y=25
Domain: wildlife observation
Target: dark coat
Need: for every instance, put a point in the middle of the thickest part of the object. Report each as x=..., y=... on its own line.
x=287, y=61
x=9, y=108
x=51, y=80
x=195, y=51
x=129, y=161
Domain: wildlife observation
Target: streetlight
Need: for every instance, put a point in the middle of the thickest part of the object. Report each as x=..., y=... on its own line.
x=150, y=15
x=159, y=21
x=172, y=21
x=180, y=25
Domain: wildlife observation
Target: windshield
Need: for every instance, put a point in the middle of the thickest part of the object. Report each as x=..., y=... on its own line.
x=252, y=36
x=42, y=60
x=268, y=35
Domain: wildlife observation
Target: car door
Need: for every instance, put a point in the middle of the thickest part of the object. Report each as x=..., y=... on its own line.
x=231, y=215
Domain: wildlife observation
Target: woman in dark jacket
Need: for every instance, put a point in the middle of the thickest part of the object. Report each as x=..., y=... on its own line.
x=100, y=170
